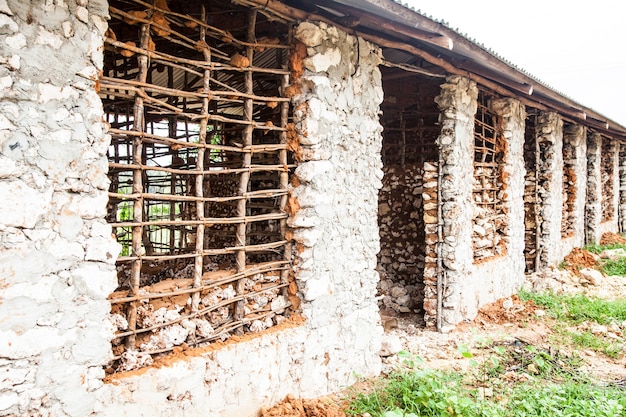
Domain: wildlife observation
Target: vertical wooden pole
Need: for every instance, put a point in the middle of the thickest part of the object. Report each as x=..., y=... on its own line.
x=137, y=247
x=248, y=108
x=197, y=275
x=284, y=175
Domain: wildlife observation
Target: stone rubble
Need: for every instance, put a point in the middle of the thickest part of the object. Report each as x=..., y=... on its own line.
x=532, y=214
x=561, y=281
x=401, y=225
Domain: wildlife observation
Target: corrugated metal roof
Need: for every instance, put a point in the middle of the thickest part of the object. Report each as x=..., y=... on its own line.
x=481, y=45
x=469, y=55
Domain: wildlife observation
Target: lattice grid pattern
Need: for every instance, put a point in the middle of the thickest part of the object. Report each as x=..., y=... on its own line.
x=488, y=186
x=194, y=93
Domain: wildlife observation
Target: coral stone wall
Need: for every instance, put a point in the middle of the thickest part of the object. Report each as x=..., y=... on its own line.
x=56, y=250
x=458, y=103
x=401, y=223
x=550, y=185
x=610, y=185
x=575, y=162
x=622, y=188
x=467, y=286
x=335, y=229
x=503, y=275
x=593, y=206
x=338, y=180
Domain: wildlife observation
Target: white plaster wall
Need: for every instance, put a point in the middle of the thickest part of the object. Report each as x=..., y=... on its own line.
x=56, y=251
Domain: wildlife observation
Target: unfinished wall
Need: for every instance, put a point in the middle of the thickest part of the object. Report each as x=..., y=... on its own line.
x=336, y=187
x=409, y=119
x=593, y=205
x=400, y=219
x=57, y=254
x=622, y=188
x=549, y=132
x=199, y=176
x=467, y=285
x=490, y=228
x=532, y=212
x=503, y=275
x=574, y=188
x=609, y=175
x=458, y=102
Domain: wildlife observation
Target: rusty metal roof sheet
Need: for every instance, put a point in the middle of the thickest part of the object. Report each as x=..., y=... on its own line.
x=468, y=54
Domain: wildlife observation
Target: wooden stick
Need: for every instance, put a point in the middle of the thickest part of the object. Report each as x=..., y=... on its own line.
x=137, y=234
x=284, y=175
x=248, y=111
x=197, y=313
x=182, y=198
x=211, y=220
x=195, y=300
x=213, y=94
x=195, y=63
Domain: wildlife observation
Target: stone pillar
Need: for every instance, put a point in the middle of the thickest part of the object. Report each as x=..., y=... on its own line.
x=56, y=251
x=336, y=190
x=550, y=181
x=513, y=115
x=622, y=188
x=613, y=184
x=575, y=146
x=458, y=104
x=593, y=207
x=431, y=220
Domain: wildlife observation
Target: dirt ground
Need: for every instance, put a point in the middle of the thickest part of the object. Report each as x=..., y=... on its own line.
x=612, y=238
x=579, y=259
x=508, y=320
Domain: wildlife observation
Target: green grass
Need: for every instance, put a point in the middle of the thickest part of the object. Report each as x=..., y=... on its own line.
x=578, y=308
x=433, y=393
x=567, y=399
x=549, y=382
x=614, y=267
x=597, y=248
x=610, y=267
x=589, y=340
x=420, y=393
x=575, y=309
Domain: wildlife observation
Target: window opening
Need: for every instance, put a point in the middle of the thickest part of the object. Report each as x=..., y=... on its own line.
x=490, y=222
x=198, y=169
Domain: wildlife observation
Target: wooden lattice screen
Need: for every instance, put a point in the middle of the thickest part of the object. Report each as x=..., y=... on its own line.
x=489, y=186
x=410, y=119
x=199, y=169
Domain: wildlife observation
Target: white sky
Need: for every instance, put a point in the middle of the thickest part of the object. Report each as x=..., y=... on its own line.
x=577, y=48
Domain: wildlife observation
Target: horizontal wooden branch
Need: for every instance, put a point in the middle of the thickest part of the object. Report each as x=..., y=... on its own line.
x=205, y=221
x=252, y=168
x=262, y=268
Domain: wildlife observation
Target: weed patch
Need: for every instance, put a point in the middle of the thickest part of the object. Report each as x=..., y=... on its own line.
x=578, y=308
